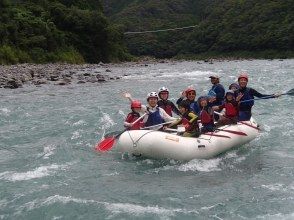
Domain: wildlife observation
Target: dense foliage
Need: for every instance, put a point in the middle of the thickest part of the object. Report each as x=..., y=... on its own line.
x=245, y=28
x=77, y=31
x=73, y=31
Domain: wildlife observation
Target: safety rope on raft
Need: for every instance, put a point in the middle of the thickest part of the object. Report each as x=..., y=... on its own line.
x=161, y=30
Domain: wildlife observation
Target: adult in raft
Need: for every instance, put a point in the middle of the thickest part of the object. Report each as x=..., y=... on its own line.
x=190, y=94
x=246, y=97
x=164, y=103
x=155, y=115
x=216, y=94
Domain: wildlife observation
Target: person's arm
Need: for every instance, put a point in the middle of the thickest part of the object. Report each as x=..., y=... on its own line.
x=254, y=93
x=127, y=122
x=180, y=100
x=219, y=108
x=166, y=116
x=220, y=93
x=175, y=109
x=193, y=117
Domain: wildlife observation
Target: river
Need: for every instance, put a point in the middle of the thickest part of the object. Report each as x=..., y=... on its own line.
x=49, y=170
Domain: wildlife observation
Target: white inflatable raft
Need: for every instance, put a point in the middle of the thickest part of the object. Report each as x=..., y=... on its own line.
x=160, y=145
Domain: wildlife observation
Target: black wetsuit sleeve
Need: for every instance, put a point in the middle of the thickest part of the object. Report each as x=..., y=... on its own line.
x=175, y=109
x=254, y=93
x=179, y=100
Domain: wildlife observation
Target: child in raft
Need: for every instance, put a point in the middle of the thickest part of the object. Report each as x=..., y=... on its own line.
x=206, y=115
x=188, y=120
x=231, y=107
x=136, y=107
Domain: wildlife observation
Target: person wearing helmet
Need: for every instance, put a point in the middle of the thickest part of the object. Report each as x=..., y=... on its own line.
x=206, y=114
x=155, y=115
x=216, y=93
x=188, y=120
x=136, y=107
x=235, y=87
x=246, y=96
x=190, y=94
x=232, y=109
x=166, y=104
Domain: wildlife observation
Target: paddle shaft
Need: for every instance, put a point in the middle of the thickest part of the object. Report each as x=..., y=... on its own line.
x=154, y=126
x=290, y=92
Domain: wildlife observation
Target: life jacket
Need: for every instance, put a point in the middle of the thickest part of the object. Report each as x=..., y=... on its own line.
x=154, y=118
x=231, y=110
x=166, y=105
x=205, y=117
x=186, y=122
x=133, y=116
x=215, y=91
x=246, y=96
x=195, y=107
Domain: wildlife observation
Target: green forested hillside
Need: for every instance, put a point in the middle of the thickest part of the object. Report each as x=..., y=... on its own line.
x=229, y=27
x=71, y=31
x=91, y=31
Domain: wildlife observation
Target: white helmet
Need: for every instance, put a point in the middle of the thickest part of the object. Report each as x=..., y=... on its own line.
x=152, y=95
x=163, y=89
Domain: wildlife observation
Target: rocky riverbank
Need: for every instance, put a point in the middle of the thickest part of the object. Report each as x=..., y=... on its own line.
x=17, y=76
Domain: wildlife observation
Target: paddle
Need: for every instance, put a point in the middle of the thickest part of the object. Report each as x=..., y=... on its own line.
x=107, y=143
x=290, y=92
x=158, y=125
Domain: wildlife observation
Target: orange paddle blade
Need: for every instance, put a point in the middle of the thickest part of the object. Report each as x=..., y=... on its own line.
x=105, y=145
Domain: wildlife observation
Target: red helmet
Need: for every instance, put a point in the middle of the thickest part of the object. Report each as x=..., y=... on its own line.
x=190, y=89
x=243, y=75
x=136, y=104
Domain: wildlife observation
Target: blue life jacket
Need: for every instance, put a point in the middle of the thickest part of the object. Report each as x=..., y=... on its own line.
x=217, y=91
x=154, y=118
x=195, y=107
x=246, y=105
x=244, y=115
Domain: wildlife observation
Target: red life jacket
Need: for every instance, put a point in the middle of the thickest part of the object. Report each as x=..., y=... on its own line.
x=205, y=117
x=231, y=110
x=166, y=105
x=133, y=116
x=188, y=126
x=168, y=109
x=185, y=122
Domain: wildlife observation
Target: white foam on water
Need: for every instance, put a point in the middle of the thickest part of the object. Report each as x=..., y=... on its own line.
x=282, y=154
x=57, y=217
x=111, y=174
x=279, y=216
x=114, y=208
x=231, y=154
x=64, y=199
x=275, y=187
x=39, y=172
x=197, y=74
x=76, y=135
x=106, y=121
x=80, y=122
x=5, y=111
x=146, y=161
x=48, y=151
x=212, y=206
x=201, y=165
x=121, y=112
x=139, y=210
x=37, y=203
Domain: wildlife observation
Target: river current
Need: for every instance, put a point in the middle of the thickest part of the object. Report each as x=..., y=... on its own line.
x=49, y=170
